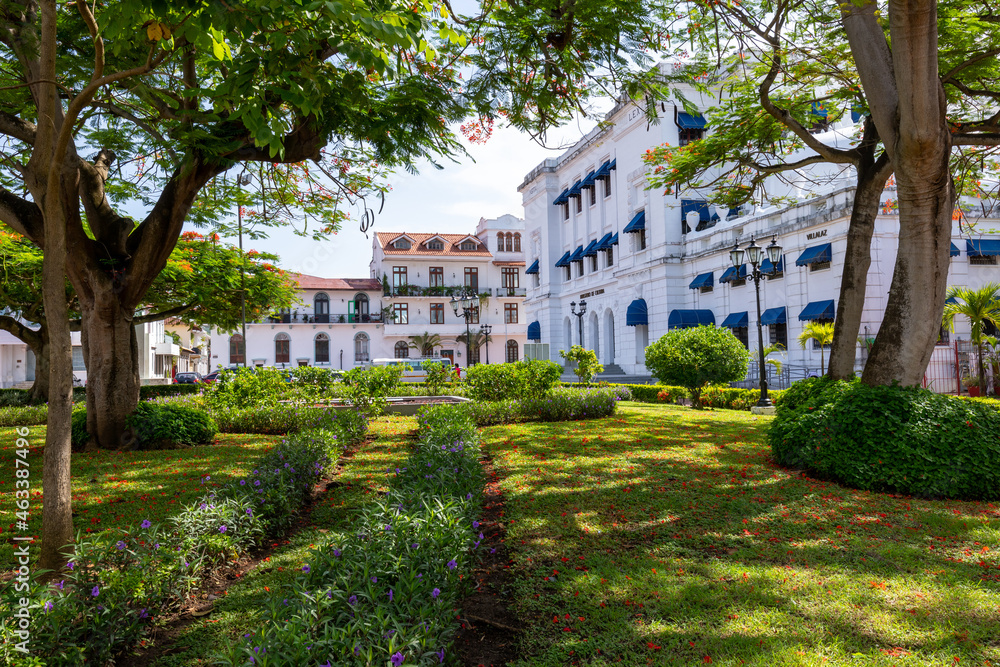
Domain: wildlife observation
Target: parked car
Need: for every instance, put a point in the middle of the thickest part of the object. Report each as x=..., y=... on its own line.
x=211, y=377
x=188, y=378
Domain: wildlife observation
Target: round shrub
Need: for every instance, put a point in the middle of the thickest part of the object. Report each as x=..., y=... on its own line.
x=697, y=356
x=154, y=425
x=529, y=378
x=903, y=439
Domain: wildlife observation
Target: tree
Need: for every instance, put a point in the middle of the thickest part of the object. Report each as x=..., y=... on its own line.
x=821, y=333
x=199, y=284
x=587, y=365
x=907, y=105
x=697, y=356
x=425, y=343
x=979, y=306
x=477, y=340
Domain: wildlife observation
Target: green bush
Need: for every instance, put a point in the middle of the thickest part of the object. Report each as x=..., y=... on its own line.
x=733, y=398
x=26, y=415
x=14, y=397
x=367, y=388
x=560, y=405
x=246, y=387
x=520, y=380
x=148, y=391
x=902, y=439
x=587, y=365
x=698, y=356
x=283, y=418
x=438, y=374
x=153, y=424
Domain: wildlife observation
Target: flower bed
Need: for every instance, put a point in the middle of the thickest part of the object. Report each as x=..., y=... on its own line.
x=387, y=592
x=560, y=405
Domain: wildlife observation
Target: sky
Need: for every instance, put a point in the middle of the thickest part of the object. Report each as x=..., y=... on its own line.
x=451, y=200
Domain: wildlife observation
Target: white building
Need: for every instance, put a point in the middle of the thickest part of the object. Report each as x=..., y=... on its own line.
x=422, y=272
x=338, y=325
x=647, y=261
x=193, y=344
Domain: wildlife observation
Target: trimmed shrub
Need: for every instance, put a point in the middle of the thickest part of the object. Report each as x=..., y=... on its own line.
x=524, y=379
x=734, y=398
x=902, y=439
x=13, y=397
x=560, y=405
x=698, y=356
x=25, y=415
x=148, y=391
x=351, y=425
x=246, y=387
x=154, y=424
x=643, y=393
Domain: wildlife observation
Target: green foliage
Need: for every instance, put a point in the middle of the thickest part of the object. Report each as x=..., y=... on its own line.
x=521, y=380
x=587, y=365
x=28, y=415
x=646, y=393
x=821, y=333
x=351, y=425
x=733, y=398
x=697, y=356
x=559, y=405
x=148, y=391
x=902, y=439
x=153, y=425
x=367, y=388
x=14, y=398
x=245, y=388
x=979, y=306
x=438, y=374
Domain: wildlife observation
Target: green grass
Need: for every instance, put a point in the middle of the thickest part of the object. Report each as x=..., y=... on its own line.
x=115, y=489
x=665, y=535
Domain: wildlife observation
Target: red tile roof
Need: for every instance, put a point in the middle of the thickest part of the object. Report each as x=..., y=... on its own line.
x=451, y=242
x=315, y=282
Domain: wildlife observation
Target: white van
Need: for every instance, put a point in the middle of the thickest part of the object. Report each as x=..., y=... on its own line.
x=413, y=370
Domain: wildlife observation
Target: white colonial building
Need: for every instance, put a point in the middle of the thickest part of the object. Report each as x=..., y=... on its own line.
x=423, y=272
x=646, y=261
x=337, y=324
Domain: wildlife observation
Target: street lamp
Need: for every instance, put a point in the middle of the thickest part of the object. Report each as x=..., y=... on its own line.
x=244, y=179
x=579, y=315
x=464, y=306
x=755, y=256
x=485, y=329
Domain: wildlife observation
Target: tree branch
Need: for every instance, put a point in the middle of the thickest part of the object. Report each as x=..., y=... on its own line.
x=30, y=337
x=23, y=216
x=986, y=139
x=17, y=128
x=164, y=314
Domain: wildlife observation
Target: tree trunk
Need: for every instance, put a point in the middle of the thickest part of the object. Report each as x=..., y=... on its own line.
x=39, y=391
x=112, y=356
x=854, y=282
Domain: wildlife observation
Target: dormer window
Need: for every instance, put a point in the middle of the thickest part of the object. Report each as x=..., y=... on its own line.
x=435, y=245
x=468, y=245
x=401, y=244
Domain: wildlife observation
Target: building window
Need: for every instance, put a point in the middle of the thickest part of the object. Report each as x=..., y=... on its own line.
x=78, y=364
x=610, y=254
x=509, y=277
x=437, y=276
x=778, y=334
x=517, y=242
x=707, y=289
x=593, y=195
x=510, y=313
x=511, y=351
x=741, y=334
x=321, y=348
x=738, y=282
x=819, y=266
x=499, y=241
x=437, y=313
x=510, y=242
x=565, y=208
x=401, y=244
x=579, y=203
x=607, y=187
x=401, y=350
x=237, y=351
x=775, y=276
x=474, y=315
x=468, y=245
x=593, y=263
x=567, y=273
x=361, y=348
x=472, y=278
x=281, y=352
x=640, y=240
x=321, y=308
x=982, y=260
x=688, y=134
x=398, y=276
x=435, y=245
x=400, y=313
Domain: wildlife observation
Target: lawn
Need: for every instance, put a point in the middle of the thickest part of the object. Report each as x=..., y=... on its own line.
x=118, y=489
x=665, y=535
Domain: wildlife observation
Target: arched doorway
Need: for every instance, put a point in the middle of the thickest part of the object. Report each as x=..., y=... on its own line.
x=595, y=335
x=609, y=337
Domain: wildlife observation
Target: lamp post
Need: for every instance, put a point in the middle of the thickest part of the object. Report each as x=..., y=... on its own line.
x=464, y=306
x=755, y=256
x=485, y=329
x=579, y=315
x=244, y=179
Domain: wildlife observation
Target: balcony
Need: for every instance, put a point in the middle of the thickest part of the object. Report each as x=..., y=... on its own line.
x=326, y=318
x=448, y=291
x=168, y=349
x=509, y=291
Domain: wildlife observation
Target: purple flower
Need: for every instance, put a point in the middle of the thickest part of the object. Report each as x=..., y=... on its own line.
x=61, y=584
x=95, y=591
x=374, y=580
x=257, y=483
x=397, y=659
x=222, y=529
x=388, y=527
x=49, y=605
x=452, y=564
x=71, y=565
x=143, y=614
x=440, y=655
x=436, y=592
x=120, y=545
x=145, y=524
x=336, y=553
x=243, y=482
x=390, y=595
x=475, y=524
x=357, y=650
x=305, y=568
x=468, y=496
x=353, y=600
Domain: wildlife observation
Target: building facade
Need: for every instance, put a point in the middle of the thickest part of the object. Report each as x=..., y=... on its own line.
x=337, y=324
x=646, y=261
x=421, y=273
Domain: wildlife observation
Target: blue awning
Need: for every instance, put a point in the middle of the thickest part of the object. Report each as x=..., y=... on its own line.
x=773, y=316
x=577, y=255
x=766, y=266
x=682, y=319
x=614, y=240
x=818, y=310
x=698, y=205
x=857, y=113
x=591, y=250
x=534, y=331
x=704, y=280
x=951, y=299
x=637, y=224
x=604, y=170
x=817, y=253
x=564, y=260
x=982, y=247
x=687, y=121
x=737, y=320
x=732, y=273
x=636, y=314
x=575, y=190
x=532, y=269
x=605, y=242
x=588, y=182
x=955, y=252
x=614, y=164
x=563, y=197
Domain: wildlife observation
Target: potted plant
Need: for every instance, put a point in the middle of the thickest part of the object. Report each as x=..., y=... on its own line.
x=971, y=383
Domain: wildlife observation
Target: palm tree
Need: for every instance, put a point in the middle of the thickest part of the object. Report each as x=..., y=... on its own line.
x=980, y=306
x=822, y=333
x=478, y=340
x=425, y=343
